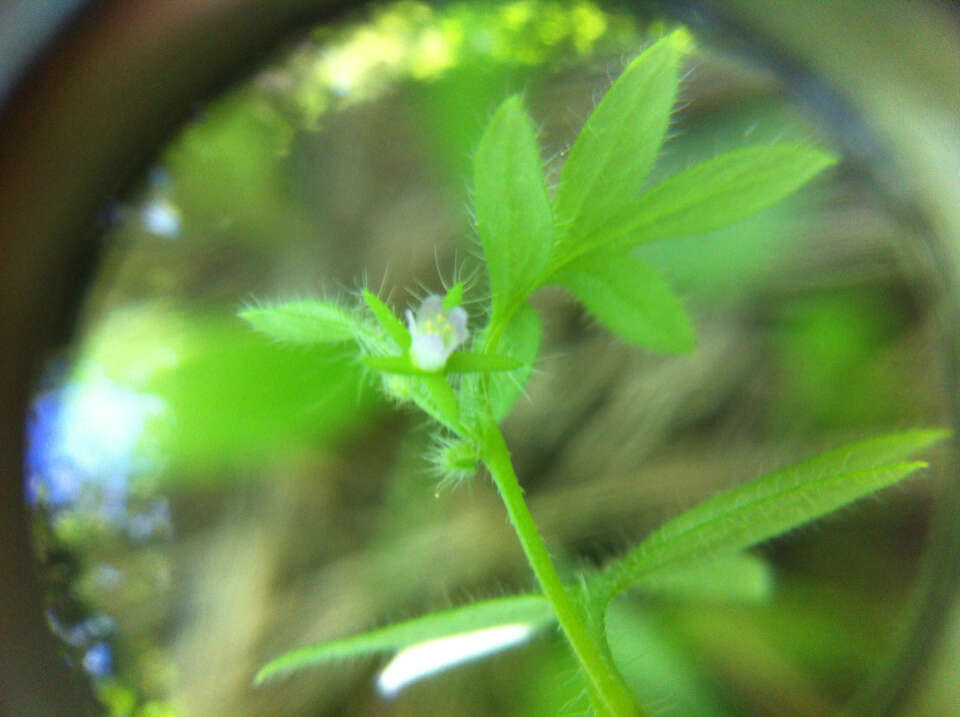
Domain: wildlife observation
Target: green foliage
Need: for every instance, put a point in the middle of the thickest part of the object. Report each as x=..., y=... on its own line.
x=705, y=197
x=229, y=395
x=469, y=362
x=772, y=505
x=453, y=297
x=521, y=339
x=514, y=219
x=657, y=666
x=305, y=322
x=738, y=577
x=459, y=362
x=582, y=240
x=829, y=346
x=531, y=610
x=444, y=400
x=388, y=320
x=630, y=299
x=619, y=143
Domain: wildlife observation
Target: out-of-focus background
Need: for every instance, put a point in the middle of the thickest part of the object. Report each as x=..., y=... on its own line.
x=204, y=499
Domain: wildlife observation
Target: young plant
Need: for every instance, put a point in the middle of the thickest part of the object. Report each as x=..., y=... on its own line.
x=467, y=377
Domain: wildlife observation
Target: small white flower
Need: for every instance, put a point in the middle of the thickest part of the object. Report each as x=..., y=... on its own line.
x=435, y=334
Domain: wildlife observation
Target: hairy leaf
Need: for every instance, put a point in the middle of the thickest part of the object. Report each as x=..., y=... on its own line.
x=531, y=610
x=391, y=324
x=514, y=219
x=619, y=142
x=304, y=322
x=705, y=197
x=746, y=515
x=630, y=299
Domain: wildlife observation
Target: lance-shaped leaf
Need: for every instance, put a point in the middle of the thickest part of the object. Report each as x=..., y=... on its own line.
x=630, y=299
x=619, y=142
x=391, y=324
x=739, y=518
x=514, y=219
x=705, y=197
x=532, y=610
x=304, y=322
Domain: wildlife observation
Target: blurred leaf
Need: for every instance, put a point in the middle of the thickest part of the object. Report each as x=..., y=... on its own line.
x=232, y=397
x=656, y=666
x=394, y=364
x=446, y=409
x=618, y=144
x=521, y=340
x=830, y=349
x=459, y=362
x=631, y=300
x=513, y=213
x=707, y=196
x=746, y=515
x=738, y=577
x=391, y=324
x=531, y=610
x=304, y=322
x=467, y=362
x=227, y=168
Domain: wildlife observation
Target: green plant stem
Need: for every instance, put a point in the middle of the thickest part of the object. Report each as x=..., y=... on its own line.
x=611, y=695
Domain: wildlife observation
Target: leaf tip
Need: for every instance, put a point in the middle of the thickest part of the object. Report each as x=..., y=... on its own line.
x=681, y=40
x=264, y=674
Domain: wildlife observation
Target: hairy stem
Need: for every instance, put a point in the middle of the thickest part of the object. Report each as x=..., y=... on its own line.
x=611, y=697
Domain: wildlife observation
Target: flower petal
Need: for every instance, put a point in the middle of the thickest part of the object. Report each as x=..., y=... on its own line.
x=427, y=352
x=431, y=308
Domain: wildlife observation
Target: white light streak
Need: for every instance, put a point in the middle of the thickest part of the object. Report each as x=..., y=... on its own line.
x=433, y=656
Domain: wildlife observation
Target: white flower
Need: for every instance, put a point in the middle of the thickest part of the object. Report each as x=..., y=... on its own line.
x=435, y=334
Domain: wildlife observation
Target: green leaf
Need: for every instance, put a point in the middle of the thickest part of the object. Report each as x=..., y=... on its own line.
x=705, y=197
x=393, y=364
x=658, y=666
x=233, y=399
x=619, y=143
x=630, y=299
x=533, y=610
x=391, y=324
x=513, y=213
x=468, y=362
x=739, y=518
x=453, y=297
x=444, y=400
x=739, y=577
x=521, y=339
x=459, y=362
x=304, y=322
